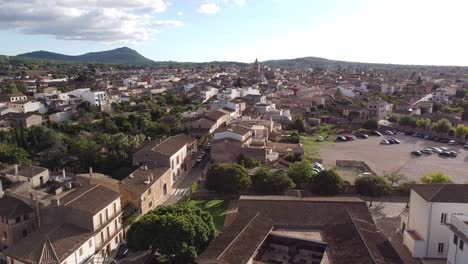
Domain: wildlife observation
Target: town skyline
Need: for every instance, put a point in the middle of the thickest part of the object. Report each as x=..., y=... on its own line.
x=200, y=31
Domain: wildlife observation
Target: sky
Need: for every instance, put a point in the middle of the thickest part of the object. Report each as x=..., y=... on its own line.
x=429, y=32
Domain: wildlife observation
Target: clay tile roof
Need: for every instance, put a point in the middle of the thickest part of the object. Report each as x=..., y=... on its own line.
x=11, y=207
x=442, y=193
x=346, y=224
x=173, y=144
x=237, y=129
x=90, y=198
x=50, y=244
x=136, y=182
x=216, y=114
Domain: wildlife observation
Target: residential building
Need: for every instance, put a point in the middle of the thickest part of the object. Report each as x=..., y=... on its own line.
x=146, y=187
x=279, y=229
x=208, y=93
x=377, y=109
x=444, y=94
x=34, y=175
x=26, y=120
x=458, y=251
x=176, y=152
x=426, y=230
x=17, y=221
x=97, y=98
x=80, y=224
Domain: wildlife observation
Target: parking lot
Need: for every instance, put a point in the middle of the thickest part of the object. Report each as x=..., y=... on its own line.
x=397, y=156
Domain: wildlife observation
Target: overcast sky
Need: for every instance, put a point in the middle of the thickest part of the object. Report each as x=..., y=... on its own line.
x=432, y=32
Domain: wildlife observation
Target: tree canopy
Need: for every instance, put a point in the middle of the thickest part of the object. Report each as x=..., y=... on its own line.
x=266, y=181
x=180, y=232
x=435, y=178
x=374, y=186
x=228, y=178
x=326, y=182
x=301, y=173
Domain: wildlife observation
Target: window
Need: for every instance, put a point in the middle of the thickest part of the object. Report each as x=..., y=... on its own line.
x=115, y=224
x=150, y=204
x=117, y=239
x=18, y=219
x=115, y=208
x=107, y=215
x=443, y=218
x=149, y=191
x=440, y=248
x=90, y=243
x=100, y=218
x=461, y=244
x=5, y=236
x=455, y=239
x=81, y=252
x=108, y=231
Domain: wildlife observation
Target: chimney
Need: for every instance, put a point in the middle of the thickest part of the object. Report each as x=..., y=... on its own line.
x=151, y=176
x=64, y=175
x=16, y=172
x=90, y=172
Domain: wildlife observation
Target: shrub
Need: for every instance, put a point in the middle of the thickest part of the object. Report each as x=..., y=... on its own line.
x=301, y=173
x=374, y=186
x=247, y=162
x=327, y=182
x=265, y=181
x=436, y=178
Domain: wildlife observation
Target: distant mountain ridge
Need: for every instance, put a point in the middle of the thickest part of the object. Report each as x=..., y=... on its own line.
x=122, y=55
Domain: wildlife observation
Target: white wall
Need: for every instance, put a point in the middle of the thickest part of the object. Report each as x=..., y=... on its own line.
x=176, y=167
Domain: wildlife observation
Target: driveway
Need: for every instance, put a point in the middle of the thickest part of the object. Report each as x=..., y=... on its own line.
x=387, y=219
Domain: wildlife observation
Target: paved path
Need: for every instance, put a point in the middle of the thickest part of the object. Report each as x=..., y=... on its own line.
x=387, y=219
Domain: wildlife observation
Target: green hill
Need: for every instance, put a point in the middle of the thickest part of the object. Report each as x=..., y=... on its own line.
x=116, y=56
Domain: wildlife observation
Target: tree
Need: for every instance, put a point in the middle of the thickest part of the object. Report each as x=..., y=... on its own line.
x=435, y=178
x=301, y=173
x=247, y=162
x=180, y=232
x=374, y=186
x=228, y=178
x=423, y=123
x=371, y=124
x=442, y=126
x=393, y=119
x=393, y=177
x=327, y=182
x=460, y=130
x=407, y=121
x=11, y=154
x=300, y=125
x=266, y=181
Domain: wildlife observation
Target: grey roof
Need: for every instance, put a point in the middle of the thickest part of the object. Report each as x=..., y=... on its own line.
x=11, y=207
x=442, y=193
x=25, y=171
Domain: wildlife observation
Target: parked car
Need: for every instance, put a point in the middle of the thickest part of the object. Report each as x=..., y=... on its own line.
x=376, y=133
x=363, y=136
x=319, y=138
x=419, y=135
x=445, y=153
x=318, y=165
x=388, y=132
x=427, y=151
x=394, y=141
x=465, y=146
x=315, y=170
x=444, y=140
x=385, y=142
x=453, y=153
x=452, y=142
x=426, y=137
x=350, y=137
x=416, y=153
x=444, y=148
x=341, y=138
x=436, y=150
x=409, y=133
x=122, y=251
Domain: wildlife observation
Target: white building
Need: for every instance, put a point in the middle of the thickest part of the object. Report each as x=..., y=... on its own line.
x=426, y=230
x=346, y=90
x=93, y=97
x=444, y=94
x=458, y=251
x=208, y=93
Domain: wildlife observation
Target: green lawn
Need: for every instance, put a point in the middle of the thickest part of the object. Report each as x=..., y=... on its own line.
x=217, y=209
x=312, y=146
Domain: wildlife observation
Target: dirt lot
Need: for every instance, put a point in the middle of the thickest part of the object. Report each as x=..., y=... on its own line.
x=397, y=157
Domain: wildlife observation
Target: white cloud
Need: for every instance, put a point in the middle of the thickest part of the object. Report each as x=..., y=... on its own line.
x=214, y=6
x=107, y=21
x=208, y=8
x=180, y=13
